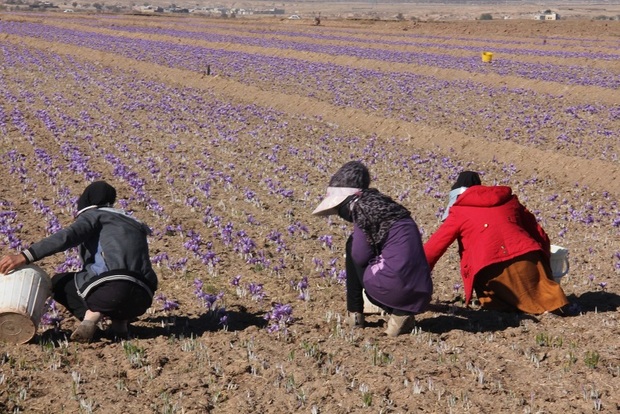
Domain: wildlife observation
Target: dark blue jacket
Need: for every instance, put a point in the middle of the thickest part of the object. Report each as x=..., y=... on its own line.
x=113, y=246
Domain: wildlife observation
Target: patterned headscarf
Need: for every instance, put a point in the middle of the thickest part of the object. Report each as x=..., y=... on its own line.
x=375, y=213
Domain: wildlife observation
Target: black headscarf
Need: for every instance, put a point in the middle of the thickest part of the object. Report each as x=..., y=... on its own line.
x=99, y=193
x=467, y=179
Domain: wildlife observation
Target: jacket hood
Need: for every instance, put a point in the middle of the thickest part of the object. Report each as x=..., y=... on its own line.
x=484, y=196
x=122, y=215
x=130, y=219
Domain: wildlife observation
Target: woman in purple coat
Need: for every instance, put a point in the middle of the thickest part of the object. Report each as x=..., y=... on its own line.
x=384, y=255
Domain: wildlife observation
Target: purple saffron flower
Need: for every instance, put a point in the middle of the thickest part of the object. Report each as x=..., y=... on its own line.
x=256, y=291
x=302, y=287
x=327, y=241
x=279, y=318
x=167, y=304
x=223, y=317
x=51, y=317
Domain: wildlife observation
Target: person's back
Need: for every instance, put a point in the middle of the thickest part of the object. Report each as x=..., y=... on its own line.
x=121, y=244
x=400, y=276
x=492, y=227
x=504, y=251
x=117, y=280
x=384, y=255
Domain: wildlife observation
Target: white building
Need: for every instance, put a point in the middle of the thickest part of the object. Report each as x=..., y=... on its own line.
x=547, y=16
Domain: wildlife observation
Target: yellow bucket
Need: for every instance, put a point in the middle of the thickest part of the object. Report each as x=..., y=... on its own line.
x=487, y=56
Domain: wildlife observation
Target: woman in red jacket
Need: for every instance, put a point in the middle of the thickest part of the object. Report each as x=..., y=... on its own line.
x=504, y=251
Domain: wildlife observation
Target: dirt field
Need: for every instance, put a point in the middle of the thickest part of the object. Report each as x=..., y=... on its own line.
x=222, y=134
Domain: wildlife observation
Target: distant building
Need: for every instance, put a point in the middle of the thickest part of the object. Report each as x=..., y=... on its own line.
x=149, y=9
x=43, y=5
x=547, y=16
x=269, y=11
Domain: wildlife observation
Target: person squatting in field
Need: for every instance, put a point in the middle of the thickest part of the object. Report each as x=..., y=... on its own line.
x=116, y=280
x=505, y=253
x=384, y=255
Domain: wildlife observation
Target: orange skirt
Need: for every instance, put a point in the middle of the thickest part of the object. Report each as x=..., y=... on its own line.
x=523, y=283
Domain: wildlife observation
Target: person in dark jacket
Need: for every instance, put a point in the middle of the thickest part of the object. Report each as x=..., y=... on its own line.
x=384, y=255
x=116, y=280
x=505, y=253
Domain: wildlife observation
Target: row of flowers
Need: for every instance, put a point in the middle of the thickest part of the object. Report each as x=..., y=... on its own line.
x=487, y=112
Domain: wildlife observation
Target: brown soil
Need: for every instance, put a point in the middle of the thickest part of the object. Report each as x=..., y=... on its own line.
x=456, y=360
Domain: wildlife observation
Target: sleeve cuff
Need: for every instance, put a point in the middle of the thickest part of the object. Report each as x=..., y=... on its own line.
x=29, y=257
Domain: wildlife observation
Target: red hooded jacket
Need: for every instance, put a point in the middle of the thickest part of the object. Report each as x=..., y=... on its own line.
x=491, y=226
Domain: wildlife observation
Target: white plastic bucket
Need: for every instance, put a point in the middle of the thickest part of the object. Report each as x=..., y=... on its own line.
x=559, y=262
x=23, y=293
x=370, y=308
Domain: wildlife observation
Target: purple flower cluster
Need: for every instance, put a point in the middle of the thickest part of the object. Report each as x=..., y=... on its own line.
x=53, y=225
x=125, y=173
x=17, y=165
x=9, y=227
x=327, y=241
x=162, y=258
x=245, y=246
x=52, y=316
x=201, y=250
x=47, y=166
x=72, y=262
x=180, y=264
x=279, y=318
x=158, y=259
x=211, y=302
x=303, y=288
x=207, y=299
x=276, y=237
x=298, y=228
x=256, y=291
x=235, y=281
x=333, y=272
x=78, y=162
x=168, y=305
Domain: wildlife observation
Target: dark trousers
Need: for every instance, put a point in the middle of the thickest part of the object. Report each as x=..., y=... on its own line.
x=355, y=281
x=117, y=299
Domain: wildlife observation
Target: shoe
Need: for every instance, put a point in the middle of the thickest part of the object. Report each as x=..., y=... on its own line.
x=399, y=324
x=355, y=319
x=119, y=329
x=84, y=332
